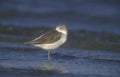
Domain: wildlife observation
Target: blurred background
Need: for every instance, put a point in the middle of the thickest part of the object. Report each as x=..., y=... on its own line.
x=92, y=25
x=92, y=22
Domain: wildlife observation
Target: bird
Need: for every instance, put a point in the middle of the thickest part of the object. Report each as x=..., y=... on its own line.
x=51, y=40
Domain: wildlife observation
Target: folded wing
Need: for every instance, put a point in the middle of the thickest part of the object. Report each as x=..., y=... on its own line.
x=50, y=37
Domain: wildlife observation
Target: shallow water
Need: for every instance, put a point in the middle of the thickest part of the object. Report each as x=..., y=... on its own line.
x=65, y=62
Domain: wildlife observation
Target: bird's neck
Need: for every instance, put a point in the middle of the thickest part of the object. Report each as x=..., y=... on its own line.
x=62, y=31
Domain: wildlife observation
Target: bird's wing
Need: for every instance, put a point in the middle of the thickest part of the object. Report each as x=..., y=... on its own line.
x=49, y=37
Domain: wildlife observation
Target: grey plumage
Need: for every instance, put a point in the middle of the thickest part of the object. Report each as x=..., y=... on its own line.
x=49, y=37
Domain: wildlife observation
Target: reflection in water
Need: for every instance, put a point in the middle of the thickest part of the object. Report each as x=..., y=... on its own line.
x=53, y=67
x=87, y=63
x=33, y=66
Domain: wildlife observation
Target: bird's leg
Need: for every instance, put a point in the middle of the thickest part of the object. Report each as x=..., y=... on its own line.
x=49, y=57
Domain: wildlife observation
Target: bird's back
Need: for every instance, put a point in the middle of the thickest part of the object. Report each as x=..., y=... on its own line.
x=50, y=37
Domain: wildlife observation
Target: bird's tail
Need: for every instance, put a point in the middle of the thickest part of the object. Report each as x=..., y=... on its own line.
x=27, y=42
